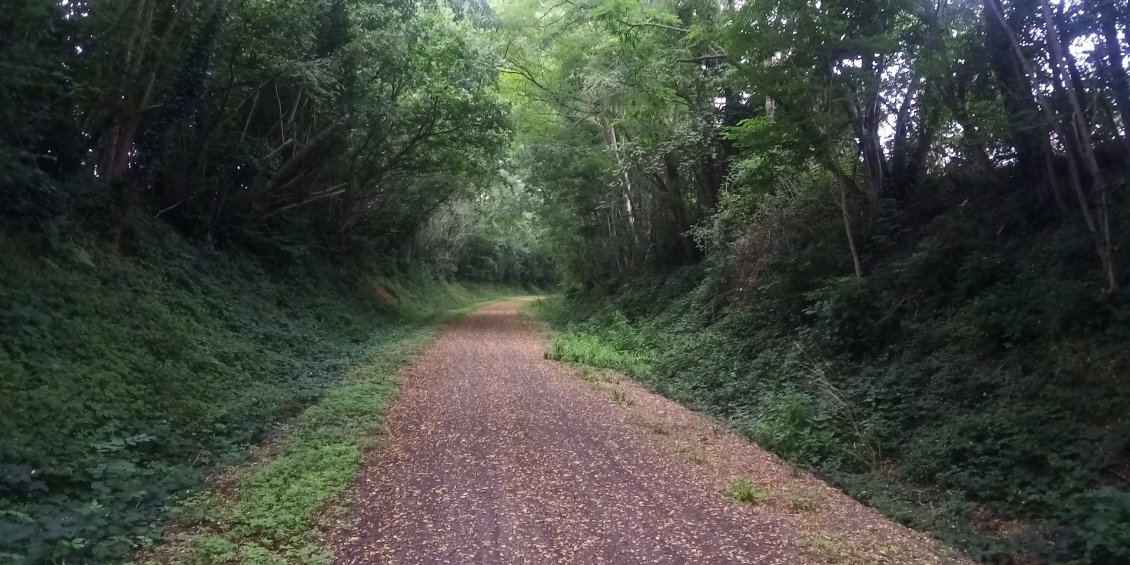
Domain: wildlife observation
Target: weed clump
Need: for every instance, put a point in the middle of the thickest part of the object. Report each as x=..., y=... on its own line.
x=742, y=490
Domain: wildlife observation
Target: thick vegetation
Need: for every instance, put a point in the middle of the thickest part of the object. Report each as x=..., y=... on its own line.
x=886, y=239
x=218, y=215
x=128, y=379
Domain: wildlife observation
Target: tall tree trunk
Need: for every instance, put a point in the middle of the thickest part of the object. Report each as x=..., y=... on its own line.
x=1070, y=65
x=710, y=175
x=678, y=208
x=177, y=108
x=866, y=116
x=1029, y=134
x=971, y=140
x=116, y=141
x=901, y=161
x=847, y=187
x=1080, y=137
x=625, y=180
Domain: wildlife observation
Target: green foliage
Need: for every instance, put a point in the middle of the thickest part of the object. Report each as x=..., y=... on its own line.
x=493, y=236
x=793, y=425
x=1100, y=516
x=292, y=144
x=616, y=347
x=865, y=231
x=270, y=514
x=968, y=387
x=614, y=129
x=129, y=378
x=349, y=121
x=742, y=490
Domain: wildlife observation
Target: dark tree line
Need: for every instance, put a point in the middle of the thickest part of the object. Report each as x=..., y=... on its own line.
x=878, y=101
x=349, y=119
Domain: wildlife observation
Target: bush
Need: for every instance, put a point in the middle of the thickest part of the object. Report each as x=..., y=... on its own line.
x=793, y=425
x=1099, y=533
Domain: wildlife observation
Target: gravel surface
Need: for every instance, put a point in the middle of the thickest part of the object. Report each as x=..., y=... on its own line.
x=496, y=455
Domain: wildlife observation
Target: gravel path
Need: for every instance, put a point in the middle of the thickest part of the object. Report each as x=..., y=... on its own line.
x=496, y=455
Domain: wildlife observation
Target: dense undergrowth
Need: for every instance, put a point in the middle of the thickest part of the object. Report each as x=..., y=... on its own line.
x=270, y=510
x=971, y=385
x=129, y=376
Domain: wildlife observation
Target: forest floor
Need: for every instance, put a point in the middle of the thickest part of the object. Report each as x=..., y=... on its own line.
x=495, y=454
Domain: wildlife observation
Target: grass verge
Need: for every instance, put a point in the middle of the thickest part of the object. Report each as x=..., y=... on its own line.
x=269, y=511
x=128, y=376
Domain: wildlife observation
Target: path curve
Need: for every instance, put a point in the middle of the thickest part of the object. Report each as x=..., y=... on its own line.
x=497, y=455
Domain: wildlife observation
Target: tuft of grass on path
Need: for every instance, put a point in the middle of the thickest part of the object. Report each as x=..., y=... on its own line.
x=742, y=490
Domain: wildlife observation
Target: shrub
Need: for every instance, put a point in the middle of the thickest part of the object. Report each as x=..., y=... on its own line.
x=793, y=424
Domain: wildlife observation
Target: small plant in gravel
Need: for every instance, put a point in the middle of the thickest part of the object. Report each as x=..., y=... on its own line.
x=657, y=426
x=831, y=547
x=619, y=396
x=590, y=376
x=694, y=453
x=803, y=500
x=744, y=491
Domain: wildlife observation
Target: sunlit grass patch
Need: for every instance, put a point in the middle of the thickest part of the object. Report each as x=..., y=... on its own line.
x=596, y=351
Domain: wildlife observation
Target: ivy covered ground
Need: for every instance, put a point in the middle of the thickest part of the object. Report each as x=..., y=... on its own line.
x=128, y=377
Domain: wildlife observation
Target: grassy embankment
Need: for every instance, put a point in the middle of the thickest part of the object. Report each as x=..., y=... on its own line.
x=977, y=392
x=128, y=378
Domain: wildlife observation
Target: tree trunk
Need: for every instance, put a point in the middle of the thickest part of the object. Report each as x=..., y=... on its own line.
x=847, y=187
x=901, y=161
x=866, y=117
x=1029, y=135
x=1080, y=138
x=678, y=208
x=625, y=180
x=710, y=175
x=178, y=106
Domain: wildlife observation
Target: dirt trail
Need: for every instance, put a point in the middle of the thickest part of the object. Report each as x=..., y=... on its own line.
x=497, y=455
